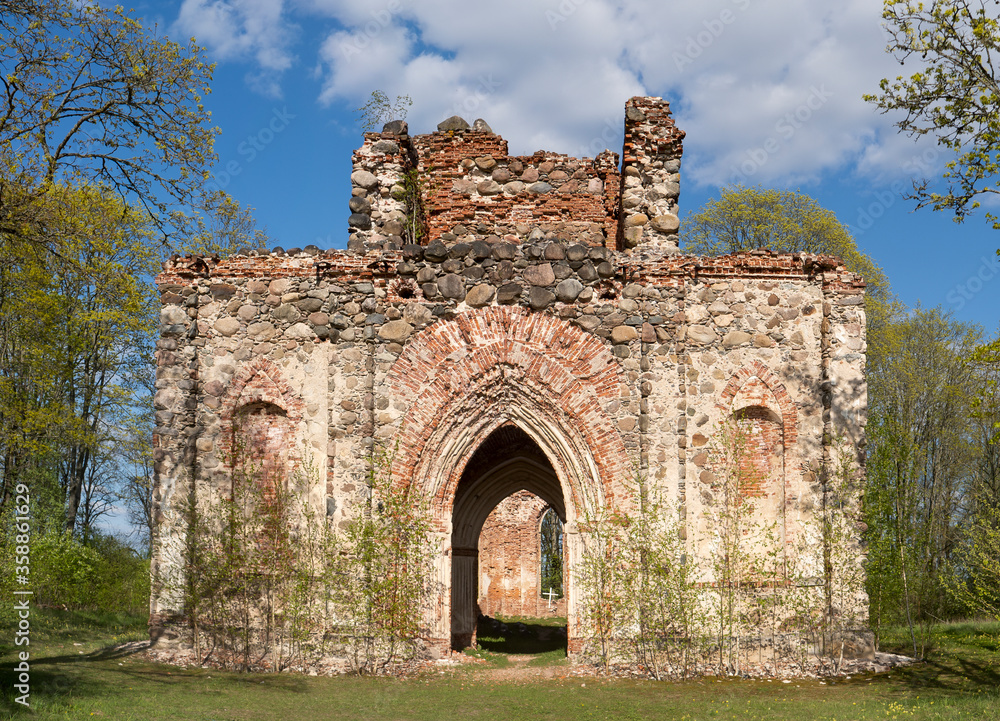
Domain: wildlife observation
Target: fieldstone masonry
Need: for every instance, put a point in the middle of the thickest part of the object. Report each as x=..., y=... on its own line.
x=541, y=334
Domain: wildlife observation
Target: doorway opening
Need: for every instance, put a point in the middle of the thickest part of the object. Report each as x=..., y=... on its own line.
x=507, y=489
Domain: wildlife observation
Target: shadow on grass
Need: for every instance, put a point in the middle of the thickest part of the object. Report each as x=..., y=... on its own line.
x=64, y=677
x=528, y=636
x=52, y=678
x=959, y=658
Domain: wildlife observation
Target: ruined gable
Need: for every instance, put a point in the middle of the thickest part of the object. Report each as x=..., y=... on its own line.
x=544, y=294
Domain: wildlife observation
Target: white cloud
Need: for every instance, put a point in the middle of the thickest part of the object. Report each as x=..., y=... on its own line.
x=349, y=12
x=771, y=92
x=768, y=91
x=356, y=62
x=537, y=83
x=239, y=30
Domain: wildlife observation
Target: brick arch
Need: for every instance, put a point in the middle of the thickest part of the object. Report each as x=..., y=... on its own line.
x=261, y=381
x=464, y=378
x=506, y=462
x=761, y=387
x=433, y=350
x=764, y=452
x=262, y=409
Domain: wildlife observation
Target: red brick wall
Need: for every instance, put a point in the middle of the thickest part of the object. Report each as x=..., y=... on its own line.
x=259, y=414
x=510, y=560
x=762, y=460
x=469, y=181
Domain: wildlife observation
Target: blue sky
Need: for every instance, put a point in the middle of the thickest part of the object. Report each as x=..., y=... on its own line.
x=768, y=92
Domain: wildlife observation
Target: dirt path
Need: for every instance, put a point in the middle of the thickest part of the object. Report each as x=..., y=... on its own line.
x=518, y=671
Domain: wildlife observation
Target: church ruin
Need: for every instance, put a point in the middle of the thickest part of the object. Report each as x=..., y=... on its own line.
x=542, y=339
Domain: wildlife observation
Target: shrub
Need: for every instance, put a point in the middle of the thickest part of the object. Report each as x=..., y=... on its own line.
x=101, y=575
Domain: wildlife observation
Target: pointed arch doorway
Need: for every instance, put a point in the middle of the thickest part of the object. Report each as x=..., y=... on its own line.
x=498, y=400
x=507, y=461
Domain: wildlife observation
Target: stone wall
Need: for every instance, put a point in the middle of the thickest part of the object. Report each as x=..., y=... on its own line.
x=471, y=188
x=677, y=345
x=651, y=176
x=510, y=561
x=608, y=353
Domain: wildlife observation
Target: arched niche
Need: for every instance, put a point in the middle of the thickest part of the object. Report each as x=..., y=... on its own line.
x=260, y=423
x=756, y=384
x=758, y=403
x=261, y=439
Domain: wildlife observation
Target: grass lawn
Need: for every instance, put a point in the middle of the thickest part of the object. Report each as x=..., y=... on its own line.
x=74, y=676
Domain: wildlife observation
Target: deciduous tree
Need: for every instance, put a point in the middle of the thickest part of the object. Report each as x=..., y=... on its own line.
x=218, y=225
x=784, y=221
x=952, y=93
x=70, y=334
x=922, y=454
x=103, y=140
x=90, y=95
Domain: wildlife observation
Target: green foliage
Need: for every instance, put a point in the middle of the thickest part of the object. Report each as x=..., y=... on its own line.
x=602, y=581
x=925, y=463
x=846, y=601
x=986, y=410
x=383, y=585
x=62, y=567
x=271, y=584
x=103, y=574
x=219, y=226
x=257, y=568
x=739, y=557
x=952, y=94
x=551, y=550
x=975, y=581
x=744, y=219
x=124, y=574
x=380, y=110
x=102, y=137
x=679, y=604
x=639, y=600
x=92, y=96
x=410, y=196
x=70, y=331
x=974, y=578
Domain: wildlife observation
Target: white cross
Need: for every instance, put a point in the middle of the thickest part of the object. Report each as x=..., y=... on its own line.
x=550, y=594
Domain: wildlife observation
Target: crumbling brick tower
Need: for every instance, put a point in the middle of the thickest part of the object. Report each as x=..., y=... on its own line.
x=509, y=324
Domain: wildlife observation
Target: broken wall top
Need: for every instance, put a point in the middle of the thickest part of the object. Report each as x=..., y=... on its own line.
x=470, y=188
